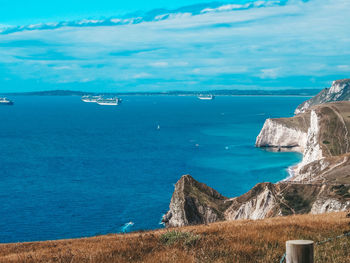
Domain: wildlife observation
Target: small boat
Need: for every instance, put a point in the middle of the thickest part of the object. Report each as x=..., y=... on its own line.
x=109, y=101
x=158, y=127
x=5, y=101
x=90, y=98
x=206, y=97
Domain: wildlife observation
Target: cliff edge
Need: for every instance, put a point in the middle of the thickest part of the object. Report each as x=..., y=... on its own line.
x=339, y=91
x=321, y=134
x=195, y=203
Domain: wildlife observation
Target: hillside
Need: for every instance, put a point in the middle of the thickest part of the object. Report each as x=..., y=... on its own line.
x=236, y=241
x=321, y=133
x=195, y=203
x=319, y=184
x=339, y=91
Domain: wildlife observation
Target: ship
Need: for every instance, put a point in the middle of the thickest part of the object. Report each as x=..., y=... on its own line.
x=109, y=101
x=5, y=101
x=90, y=98
x=206, y=97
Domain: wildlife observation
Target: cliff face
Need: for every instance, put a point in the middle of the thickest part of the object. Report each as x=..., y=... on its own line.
x=195, y=203
x=288, y=133
x=319, y=133
x=260, y=202
x=339, y=91
x=269, y=200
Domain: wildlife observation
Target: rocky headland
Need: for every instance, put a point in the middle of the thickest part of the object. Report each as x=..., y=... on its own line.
x=339, y=91
x=319, y=184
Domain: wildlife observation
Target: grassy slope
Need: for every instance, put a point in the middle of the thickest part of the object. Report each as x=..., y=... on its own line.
x=236, y=241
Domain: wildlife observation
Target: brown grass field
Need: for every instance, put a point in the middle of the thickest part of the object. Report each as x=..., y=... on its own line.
x=236, y=241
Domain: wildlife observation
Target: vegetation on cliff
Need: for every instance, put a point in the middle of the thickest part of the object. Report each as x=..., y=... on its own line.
x=339, y=91
x=195, y=203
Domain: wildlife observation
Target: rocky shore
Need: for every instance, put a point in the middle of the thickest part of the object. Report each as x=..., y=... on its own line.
x=320, y=183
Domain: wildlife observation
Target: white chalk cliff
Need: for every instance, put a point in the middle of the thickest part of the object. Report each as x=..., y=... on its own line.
x=319, y=133
x=290, y=134
x=339, y=91
x=195, y=203
x=276, y=134
x=320, y=182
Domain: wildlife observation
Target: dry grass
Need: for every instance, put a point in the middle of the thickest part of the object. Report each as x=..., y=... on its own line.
x=238, y=241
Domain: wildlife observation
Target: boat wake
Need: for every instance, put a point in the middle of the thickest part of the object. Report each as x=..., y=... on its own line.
x=126, y=227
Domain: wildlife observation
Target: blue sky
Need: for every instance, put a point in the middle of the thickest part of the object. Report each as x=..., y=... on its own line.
x=184, y=45
x=36, y=11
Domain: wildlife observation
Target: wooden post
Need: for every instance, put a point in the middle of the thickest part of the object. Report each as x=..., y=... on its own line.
x=300, y=251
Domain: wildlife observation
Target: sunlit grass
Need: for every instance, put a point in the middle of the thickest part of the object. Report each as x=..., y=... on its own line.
x=237, y=241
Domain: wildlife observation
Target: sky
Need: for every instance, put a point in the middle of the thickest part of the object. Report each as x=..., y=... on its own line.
x=36, y=11
x=125, y=46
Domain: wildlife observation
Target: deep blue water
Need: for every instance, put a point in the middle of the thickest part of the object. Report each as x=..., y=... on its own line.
x=73, y=169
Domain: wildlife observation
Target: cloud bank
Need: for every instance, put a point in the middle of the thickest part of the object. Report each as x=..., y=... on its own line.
x=250, y=45
x=154, y=15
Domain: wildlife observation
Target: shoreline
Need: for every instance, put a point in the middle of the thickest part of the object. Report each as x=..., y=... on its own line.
x=173, y=95
x=290, y=169
x=291, y=173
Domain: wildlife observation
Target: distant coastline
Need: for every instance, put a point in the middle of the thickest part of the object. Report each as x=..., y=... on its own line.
x=289, y=92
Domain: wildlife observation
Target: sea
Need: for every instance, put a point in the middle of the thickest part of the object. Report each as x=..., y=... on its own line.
x=71, y=169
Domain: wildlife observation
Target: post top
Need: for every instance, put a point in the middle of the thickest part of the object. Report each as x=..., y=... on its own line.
x=299, y=242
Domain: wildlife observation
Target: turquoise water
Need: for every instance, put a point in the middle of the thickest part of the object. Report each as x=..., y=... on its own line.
x=72, y=169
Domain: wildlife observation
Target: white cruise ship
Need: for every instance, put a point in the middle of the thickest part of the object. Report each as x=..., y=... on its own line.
x=90, y=98
x=206, y=97
x=5, y=101
x=109, y=101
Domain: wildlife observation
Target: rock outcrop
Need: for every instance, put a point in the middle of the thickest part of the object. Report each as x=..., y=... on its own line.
x=269, y=200
x=339, y=91
x=195, y=203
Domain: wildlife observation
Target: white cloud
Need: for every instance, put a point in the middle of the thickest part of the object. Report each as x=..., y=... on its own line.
x=86, y=80
x=62, y=67
x=269, y=73
x=168, y=15
x=179, y=15
x=180, y=63
x=142, y=75
x=159, y=64
x=344, y=67
x=231, y=7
